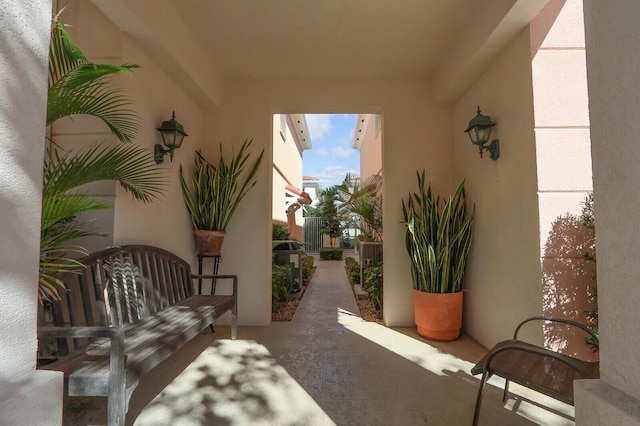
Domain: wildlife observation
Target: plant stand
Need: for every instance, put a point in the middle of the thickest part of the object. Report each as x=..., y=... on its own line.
x=216, y=263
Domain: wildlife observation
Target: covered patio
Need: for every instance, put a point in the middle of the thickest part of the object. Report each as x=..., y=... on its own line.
x=226, y=67
x=325, y=367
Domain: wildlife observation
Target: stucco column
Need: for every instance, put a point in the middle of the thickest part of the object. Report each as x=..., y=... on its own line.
x=27, y=396
x=613, y=67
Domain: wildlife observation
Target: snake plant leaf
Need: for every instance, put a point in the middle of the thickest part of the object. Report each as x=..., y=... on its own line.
x=438, y=238
x=217, y=190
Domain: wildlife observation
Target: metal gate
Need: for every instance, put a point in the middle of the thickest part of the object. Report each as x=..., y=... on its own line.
x=312, y=235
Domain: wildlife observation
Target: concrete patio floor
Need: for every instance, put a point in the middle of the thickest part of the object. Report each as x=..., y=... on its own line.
x=325, y=367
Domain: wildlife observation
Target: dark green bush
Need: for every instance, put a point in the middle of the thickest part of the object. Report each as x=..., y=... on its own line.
x=307, y=265
x=280, y=232
x=346, y=242
x=350, y=261
x=372, y=278
x=280, y=283
x=352, y=267
x=331, y=253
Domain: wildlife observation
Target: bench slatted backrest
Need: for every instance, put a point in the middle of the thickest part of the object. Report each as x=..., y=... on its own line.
x=118, y=286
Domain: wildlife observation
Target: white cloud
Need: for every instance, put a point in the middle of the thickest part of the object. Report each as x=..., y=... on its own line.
x=334, y=175
x=321, y=152
x=318, y=125
x=339, y=153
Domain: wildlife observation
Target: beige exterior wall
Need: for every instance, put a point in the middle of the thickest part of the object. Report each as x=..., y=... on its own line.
x=287, y=168
x=27, y=396
x=613, y=60
x=371, y=149
x=563, y=152
x=503, y=272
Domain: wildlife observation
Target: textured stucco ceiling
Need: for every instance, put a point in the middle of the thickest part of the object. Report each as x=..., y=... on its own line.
x=325, y=37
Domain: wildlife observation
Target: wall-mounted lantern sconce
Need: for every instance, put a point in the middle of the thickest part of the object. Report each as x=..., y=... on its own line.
x=479, y=132
x=172, y=135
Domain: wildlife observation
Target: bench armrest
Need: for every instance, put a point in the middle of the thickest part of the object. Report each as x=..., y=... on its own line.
x=217, y=277
x=117, y=378
x=558, y=320
x=80, y=332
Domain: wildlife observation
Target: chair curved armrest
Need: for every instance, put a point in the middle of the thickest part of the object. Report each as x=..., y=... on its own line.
x=558, y=320
x=576, y=364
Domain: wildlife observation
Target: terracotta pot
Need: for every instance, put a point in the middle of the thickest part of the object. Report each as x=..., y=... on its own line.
x=209, y=243
x=438, y=315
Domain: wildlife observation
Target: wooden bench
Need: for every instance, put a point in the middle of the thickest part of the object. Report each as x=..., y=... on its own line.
x=540, y=369
x=126, y=311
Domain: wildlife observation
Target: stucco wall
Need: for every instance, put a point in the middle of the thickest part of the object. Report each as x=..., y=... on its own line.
x=409, y=115
x=27, y=396
x=371, y=149
x=288, y=160
x=503, y=272
x=613, y=61
x=563, y=151
x=165, y=222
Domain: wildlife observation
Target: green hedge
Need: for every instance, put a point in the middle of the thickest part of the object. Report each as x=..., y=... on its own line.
x=331, y=253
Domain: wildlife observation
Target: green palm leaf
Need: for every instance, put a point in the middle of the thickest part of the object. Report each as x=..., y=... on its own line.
x=78, y=86
x=130, y=165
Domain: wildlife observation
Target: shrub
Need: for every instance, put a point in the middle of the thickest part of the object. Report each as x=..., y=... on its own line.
x=280, y=232
x=331, y=253
x=307, y=266
x=353, y=270
x=588, y=222
x=346, y=242
x=373, y=285
x=280, y=284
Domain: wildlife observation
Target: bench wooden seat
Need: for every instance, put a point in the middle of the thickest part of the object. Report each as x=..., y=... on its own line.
x=129, y=309
x=540, y=369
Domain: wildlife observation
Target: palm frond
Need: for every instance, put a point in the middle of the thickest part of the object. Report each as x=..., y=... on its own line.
x=364, y=200
x=78, y=86
x=130, y=165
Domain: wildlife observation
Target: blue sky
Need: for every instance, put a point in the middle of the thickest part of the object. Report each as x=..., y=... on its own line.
x=331, y=156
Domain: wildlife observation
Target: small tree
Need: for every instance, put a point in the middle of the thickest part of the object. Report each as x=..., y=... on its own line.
x=588, y=221
x=365, y=201
x=331, y=221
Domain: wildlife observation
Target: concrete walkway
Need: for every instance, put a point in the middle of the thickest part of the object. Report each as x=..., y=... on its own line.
x=325, y=367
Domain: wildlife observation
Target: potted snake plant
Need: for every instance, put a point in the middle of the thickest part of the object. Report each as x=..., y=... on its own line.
x=438, y=240
x=215, y=193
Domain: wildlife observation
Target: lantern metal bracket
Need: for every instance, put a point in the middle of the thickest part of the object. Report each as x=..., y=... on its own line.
x=159, y=153
x=493, y=148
